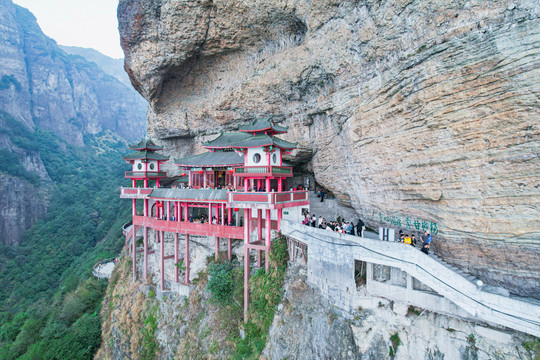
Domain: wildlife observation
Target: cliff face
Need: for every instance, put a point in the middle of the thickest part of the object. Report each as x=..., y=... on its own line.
x=419, y=115
x=59, y=92
x=43, y=87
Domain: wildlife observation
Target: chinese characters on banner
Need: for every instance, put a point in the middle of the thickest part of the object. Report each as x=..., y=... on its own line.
x=410, y=223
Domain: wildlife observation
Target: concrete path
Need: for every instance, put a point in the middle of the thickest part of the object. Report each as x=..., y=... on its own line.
x=104, y=270
x=330, y=210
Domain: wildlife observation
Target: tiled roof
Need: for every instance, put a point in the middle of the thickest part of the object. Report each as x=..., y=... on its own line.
x=226, y=140
x=148, y=145
x=264, y=140
x=189, y=194
x=263, y=124
x=147, y=155
x=218, y=158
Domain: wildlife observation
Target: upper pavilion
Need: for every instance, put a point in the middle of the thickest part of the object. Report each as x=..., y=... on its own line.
x=145, y=162
x=253, y=153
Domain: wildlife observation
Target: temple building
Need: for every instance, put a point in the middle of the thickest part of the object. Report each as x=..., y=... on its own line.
x=235, y=190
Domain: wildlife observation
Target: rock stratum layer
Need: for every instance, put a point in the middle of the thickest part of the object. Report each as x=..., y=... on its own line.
x=407, y=110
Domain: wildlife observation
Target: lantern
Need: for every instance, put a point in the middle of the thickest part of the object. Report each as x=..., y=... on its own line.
x=231, y=171
x=201, y=171
x=160, y=204
x=236, y=209
x=183, y=174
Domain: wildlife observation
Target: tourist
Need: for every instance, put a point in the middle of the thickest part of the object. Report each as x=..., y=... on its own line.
x=321, y=195
x=407, y=239
x=426, y=239
x=360, y=227
x=350, y=228
x=413, y=241
x=319, y=223
x=313, y=220
x=401, y=238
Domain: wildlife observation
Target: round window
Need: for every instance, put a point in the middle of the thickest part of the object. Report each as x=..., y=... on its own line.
x=139, y=166
x=274, y=158
x=152, y=166
x=257, y=158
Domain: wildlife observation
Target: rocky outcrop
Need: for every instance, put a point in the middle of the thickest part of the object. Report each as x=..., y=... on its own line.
x=414, y=114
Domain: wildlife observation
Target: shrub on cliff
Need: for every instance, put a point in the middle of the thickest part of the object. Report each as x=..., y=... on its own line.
x=221, y=281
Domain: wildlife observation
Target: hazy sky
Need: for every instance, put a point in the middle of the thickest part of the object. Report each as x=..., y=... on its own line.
x=84, y=23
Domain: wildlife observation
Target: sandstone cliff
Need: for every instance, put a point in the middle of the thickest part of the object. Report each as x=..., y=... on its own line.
x=419, y=114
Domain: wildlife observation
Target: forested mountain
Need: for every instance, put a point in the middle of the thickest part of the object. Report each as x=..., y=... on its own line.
x=64, y=124
x=42, y=87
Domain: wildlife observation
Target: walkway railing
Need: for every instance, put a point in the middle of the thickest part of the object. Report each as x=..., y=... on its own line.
x=339, y=248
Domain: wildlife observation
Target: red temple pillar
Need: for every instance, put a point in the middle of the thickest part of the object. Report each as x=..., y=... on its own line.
x=268, y=238
x=175, y=257
x=279, y=217
x=162, y=260
x=268, y=186
x=145, y=250
x=222, y=214
x=134, y=251
x=259, y=235
x=247, y=215
x=229, y=215
x=280, y=185
x=229, y=249
x=134, y=212
x=246, y=185
x=186, y=212
x=186, y=258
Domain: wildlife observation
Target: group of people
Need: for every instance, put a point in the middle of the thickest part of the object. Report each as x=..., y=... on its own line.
x=340, y=226
x=411, y=240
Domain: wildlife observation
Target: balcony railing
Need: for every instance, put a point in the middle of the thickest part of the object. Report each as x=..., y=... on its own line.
x=270, y=199
x=135, y=192
x=284, y=171
x=145, y=174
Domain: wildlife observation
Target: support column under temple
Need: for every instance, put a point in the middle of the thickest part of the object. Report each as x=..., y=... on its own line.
x=175, y=257
x=247, y=214
x=229, y=249
x=259, y=235
x=217, y=247
x=162, y=260
x=268, y=239
x=186, y=259
x=134, y=258
x=145, y=252
x=279, y=217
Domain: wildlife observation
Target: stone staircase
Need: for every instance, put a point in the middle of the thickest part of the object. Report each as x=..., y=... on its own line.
x=331, y=258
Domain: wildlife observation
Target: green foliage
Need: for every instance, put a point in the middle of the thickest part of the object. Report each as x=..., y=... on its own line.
x=533, y=348
x=12, y=165
x=50, y=301
x=221, y=281
x=396, y=342
x=265, y=295
x=149, y=343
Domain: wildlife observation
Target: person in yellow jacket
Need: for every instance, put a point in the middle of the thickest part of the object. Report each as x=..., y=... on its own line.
x=407, y=239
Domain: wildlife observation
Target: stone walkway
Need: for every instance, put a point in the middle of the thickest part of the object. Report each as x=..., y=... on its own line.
x=330, y=210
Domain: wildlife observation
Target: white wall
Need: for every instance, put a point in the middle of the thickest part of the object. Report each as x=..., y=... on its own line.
x=249, y=157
